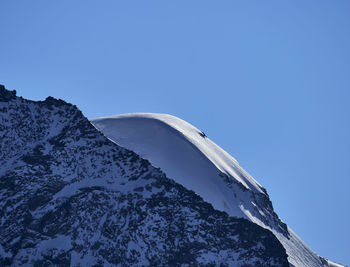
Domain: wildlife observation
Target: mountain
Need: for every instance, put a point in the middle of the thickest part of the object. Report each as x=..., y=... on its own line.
x=69, y=196
x=189, y=157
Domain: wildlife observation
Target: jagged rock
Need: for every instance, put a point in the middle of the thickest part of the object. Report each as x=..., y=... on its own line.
x=6, y=95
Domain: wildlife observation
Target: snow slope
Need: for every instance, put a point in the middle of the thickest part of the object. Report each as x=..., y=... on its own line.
x=186, y=155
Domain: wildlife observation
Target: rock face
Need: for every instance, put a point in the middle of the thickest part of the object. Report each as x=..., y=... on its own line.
x=70, y=196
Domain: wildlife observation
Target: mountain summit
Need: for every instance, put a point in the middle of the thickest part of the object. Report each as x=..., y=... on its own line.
x=189, y=157
x=130, y=190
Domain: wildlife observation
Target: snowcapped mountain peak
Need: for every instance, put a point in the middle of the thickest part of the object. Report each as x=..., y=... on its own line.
x=71, y=197
x=189, y=157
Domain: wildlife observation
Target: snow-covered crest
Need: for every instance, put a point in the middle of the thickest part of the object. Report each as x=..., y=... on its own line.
x=189, y=157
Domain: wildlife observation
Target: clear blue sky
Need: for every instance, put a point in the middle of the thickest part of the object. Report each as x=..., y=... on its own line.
x=269, y=81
